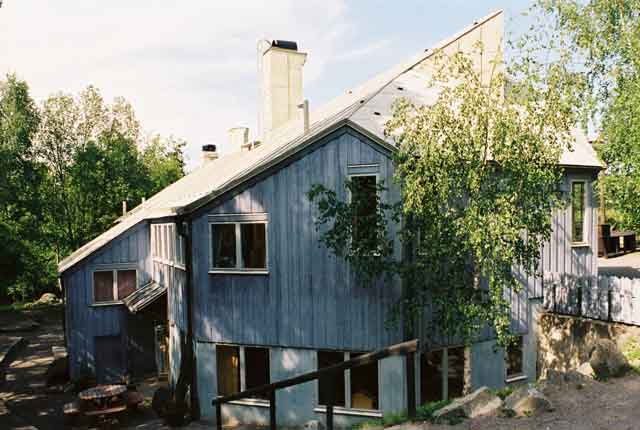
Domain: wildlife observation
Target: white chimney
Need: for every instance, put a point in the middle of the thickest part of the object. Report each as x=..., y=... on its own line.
x=281, y=84
x=239, y=138
x=209, y=153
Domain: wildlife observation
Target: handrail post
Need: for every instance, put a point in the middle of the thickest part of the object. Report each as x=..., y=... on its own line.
x=219, y=416
x=330, y=381
x=272, y=410
x=411, y=385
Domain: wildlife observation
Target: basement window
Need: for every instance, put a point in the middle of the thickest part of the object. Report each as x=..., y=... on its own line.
x=513, y=357
x=113, y=285
x=238, y=246
x=256, y=367
x=578, y=197
x=442, y=374
x=228, y=367
x=327, y=389
x=364, y=386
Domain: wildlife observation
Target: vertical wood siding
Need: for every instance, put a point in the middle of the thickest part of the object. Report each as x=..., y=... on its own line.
x=85, y=322
x=309, y=298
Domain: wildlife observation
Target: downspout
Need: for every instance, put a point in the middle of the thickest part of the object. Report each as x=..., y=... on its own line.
x=188, y=230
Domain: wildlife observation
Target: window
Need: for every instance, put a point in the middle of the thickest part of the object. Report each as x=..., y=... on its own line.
x=364, y=197
x=167, y=244
x=513, y=358
x=228, y=367
x=326, y=359
x=239, y=246
x=442, y=374
x=230, y=360
x=577, y=211
x=256, y=368
x=113, y=285
x=364, y=386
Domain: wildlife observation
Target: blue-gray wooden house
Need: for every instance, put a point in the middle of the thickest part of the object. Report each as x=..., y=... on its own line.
x=229, y=256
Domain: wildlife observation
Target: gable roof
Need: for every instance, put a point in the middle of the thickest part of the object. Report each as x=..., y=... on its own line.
x=365, y=108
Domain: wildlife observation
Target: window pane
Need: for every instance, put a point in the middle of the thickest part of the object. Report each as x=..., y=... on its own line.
x=228, y=366
x=364, y=386
x=126, y=283
x=514, y=358
x=256, y=368
x=431, y=376
x=455, y=369
x=577, y=211
x=103, y=286
x=326, y=359
x=254, y=246
x=364, y=197
x=223, y=242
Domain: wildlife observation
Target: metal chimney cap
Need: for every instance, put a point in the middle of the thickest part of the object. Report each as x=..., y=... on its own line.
x=208, y=148
x=285, y=44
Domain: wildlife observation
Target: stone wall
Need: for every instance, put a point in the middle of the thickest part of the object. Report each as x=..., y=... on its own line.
x=565, y=342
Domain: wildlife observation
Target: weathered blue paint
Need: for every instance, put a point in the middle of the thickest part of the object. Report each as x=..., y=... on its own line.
x=84, y=321
x=487, y=365
x=309, y=299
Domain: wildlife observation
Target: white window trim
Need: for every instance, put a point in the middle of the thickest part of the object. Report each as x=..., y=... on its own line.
x=355, y=175
x=585, y=231
x=239, y=270
x=516, y=376
x=168, y=251
x=347, y=409
x=249, y=401
x=114, y=268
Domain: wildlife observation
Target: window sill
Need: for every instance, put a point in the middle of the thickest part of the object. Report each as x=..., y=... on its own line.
x=339, y=410
x=103, y=304
x=515, y=378
x=261, y=403
x=237, y=272
x=580, y=245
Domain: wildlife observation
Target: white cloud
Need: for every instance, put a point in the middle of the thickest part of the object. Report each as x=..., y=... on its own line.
x=188, y=68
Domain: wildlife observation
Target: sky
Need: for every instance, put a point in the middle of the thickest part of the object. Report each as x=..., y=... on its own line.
x=189, y=68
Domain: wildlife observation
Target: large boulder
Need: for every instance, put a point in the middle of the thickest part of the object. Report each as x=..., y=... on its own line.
x=57, y=372
x=606, y=359
x=527, y=401
x=480, y=402
x=48, y=299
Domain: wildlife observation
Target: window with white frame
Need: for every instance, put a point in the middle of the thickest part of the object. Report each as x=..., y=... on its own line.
x=167, y=245
x=514, y=359
x=363, y=195
x=238, y=243
x=578, y=208
x=362, y=380
x=241, y=368
x=113, y=285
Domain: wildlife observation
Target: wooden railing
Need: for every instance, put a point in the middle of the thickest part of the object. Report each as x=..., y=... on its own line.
x=329, y=374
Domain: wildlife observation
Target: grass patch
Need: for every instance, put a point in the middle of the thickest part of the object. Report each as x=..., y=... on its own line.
x=423, y=413
x=503, y=393
x=631, y=350
x=12, y=307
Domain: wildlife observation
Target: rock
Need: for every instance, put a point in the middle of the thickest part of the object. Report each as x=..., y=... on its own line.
x=527, y=401
x=47, y=299
x=607, y=360
x=557, y=380
x=313, y=425
x=480, y=402
x=586, y=370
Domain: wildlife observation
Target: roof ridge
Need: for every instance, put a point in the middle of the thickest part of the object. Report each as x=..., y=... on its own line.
x=429, y=52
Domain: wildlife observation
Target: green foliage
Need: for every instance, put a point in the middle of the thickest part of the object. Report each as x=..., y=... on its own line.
x=503, y=393
x=478, y=176
x=604, y=37
x=423, y=413
x=65, y=168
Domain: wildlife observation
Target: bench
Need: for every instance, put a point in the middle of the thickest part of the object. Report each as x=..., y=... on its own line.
x=107, y=411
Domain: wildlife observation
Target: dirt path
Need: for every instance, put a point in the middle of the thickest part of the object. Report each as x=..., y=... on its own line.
x=23, y=390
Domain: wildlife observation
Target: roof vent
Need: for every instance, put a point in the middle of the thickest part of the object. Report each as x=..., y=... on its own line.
x=285, y=44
